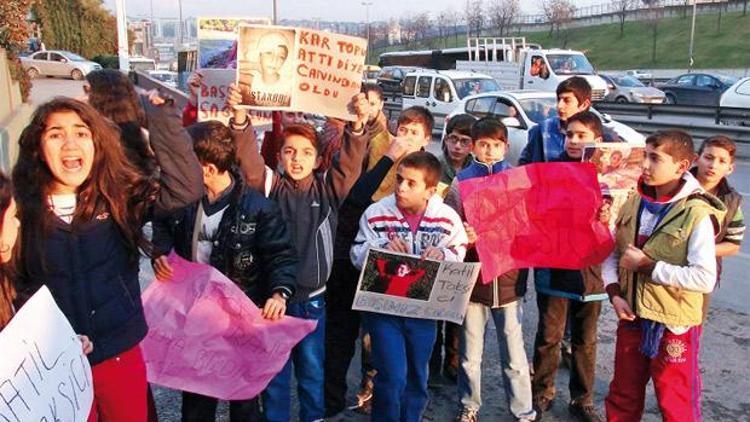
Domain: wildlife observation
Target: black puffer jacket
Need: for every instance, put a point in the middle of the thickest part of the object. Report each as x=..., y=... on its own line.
x=253, y=247
x=87, y=266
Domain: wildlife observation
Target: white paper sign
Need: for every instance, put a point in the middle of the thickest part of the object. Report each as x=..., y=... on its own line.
x=299, y=69
x=405, y=285
x=44, y=375
x=212, y=99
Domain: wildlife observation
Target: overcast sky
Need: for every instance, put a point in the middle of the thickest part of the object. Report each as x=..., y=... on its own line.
x=344, y=10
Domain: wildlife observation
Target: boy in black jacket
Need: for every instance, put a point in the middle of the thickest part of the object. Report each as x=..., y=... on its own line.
x=309, y=201
x=241, y=233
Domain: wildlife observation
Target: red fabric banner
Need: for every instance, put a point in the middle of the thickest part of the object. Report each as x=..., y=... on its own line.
x=539, y=215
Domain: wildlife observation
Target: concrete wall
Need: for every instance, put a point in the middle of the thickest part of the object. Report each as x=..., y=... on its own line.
x=14, y=116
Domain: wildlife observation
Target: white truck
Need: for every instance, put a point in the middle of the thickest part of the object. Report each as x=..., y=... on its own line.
x=514, y=65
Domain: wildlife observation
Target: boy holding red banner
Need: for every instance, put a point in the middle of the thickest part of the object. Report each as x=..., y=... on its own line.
x=413, y=220
x=663, y=264
x=560, y=139
x=498, y=299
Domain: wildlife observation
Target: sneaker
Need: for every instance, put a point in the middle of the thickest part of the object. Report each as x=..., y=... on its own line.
x=542, y=405
x=584, y=412
x=466, y=415
x=364, y=397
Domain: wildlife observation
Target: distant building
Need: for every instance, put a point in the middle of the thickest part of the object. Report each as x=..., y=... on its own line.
x=394, y=32
x=143, y=42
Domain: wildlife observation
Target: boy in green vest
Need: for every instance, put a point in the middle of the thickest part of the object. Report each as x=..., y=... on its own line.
x=663, y=263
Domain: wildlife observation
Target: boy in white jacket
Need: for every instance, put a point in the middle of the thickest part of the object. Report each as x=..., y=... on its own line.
x=414, y=221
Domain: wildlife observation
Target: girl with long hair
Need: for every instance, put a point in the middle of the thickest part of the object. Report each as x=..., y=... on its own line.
x=8, y=233
x=82, y=205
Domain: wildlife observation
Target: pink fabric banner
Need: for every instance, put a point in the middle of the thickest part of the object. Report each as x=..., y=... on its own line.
x=538, y=215
x=206, y=336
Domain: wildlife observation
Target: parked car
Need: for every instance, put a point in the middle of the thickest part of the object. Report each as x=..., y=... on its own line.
x=639, y=74
x=58, y=63
x=738, y=95
x=628, y=89
x=440, y=91
x=522, y=110
x=696, y=89
x=391, y=79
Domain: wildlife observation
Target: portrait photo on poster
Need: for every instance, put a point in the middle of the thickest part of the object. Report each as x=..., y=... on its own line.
x=265, y=66
x=399, y=275
x=618, y=165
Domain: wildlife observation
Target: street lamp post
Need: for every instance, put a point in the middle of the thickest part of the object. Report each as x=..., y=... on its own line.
x=367, y=5
x=122, y=36
x=692, y=36
x=182, y=36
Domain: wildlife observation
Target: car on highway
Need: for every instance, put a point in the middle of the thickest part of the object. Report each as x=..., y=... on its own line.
x=57, y=63
x=628, y=89
x=522, y=110
x=738, y=95
x=701, y=89
x=639, y=74
x=391, y=79
x=440, y=91
x=370, y=74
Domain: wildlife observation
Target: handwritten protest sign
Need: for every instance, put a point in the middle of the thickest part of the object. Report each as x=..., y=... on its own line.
x=618, y=168
x=299, y=69
x=538, y=215
x=207, y=337
x=44, y=375
x=217, y=40
x=405, y=285
x=212, y=99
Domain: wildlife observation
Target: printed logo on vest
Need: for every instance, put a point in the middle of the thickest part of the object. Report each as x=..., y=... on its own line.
x=675, y=349
x=103, y=216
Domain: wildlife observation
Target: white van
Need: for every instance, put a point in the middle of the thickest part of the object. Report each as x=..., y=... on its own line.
x=440, y=91
x=537, y=69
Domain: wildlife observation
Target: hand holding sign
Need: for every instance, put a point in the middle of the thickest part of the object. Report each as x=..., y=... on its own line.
x=360, y=107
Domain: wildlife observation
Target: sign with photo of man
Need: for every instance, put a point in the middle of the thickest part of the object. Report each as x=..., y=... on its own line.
x=406, y=285
x=298, y=69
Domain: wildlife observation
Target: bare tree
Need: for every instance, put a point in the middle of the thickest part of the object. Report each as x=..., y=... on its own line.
x=558, y=13
x=421, y=25
x=623, y=6
x=502, y=13
x=442, y=22
x=474, y=15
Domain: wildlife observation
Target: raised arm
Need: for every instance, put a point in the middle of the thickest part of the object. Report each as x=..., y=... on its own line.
x=251, y=163
x=347, y=167
x=181, y=178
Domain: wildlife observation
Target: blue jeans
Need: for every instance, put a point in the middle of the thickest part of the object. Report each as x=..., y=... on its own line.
x=516, y=377
x=401, y=350
x=308, y=358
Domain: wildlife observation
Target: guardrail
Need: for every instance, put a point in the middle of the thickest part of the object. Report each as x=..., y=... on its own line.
x=719, y=115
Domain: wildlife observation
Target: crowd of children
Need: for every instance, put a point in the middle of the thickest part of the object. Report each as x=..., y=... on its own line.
x=291, y=223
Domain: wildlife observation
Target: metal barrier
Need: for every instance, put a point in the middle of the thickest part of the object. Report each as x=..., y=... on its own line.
x=719, y=115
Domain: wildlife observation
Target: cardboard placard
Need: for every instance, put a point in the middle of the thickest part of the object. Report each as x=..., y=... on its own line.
x=297, y=69
x=212, y=99
x=405, y=285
